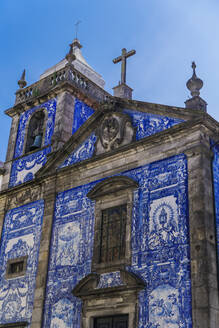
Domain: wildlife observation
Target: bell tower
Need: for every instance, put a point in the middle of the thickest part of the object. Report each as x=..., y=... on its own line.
x=44, y=114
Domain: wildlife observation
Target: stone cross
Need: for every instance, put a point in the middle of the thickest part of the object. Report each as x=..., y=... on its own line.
x=123, y=58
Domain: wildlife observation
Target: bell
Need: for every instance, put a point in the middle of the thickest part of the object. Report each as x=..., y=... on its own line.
x=36, y=143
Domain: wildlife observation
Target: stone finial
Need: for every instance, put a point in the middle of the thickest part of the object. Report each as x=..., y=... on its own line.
x=70, y=57
x=22, y=83
x=194, y=84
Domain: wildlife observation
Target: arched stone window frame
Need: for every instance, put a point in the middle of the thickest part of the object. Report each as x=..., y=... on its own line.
x=100, y=302
x=112, y=192
x=45, y=112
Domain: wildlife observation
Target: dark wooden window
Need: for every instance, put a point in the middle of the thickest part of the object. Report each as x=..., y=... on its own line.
x=119, y=321
x=14, y=325
x=113, y=234
x=16, y=267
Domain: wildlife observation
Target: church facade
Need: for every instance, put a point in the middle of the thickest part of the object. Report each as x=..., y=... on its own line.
x=109, y=207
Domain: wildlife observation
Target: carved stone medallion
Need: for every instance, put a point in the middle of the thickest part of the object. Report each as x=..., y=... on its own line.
x=115, y=130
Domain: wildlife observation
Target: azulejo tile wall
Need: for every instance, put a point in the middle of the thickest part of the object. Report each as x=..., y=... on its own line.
x=70, y=259
x=148, y=124
x=81, y=113
x=145, y=124
x=24, y=168
x=83, y=152
x=216, y=191
x=50, y=107
x=20, y=237
x=160, y=248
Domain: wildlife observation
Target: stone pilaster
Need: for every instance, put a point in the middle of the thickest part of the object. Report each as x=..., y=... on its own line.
x=41, y=278
x=2, y=213
x=10, y=151
x=12, y=137
x=64, y=119
x=6, y=176
x=205, y=298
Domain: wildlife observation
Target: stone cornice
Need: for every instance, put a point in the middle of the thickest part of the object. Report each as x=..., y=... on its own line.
x=161, y=109
x=193, y=134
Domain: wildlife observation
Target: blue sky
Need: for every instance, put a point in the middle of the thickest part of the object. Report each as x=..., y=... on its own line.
x=166, y=34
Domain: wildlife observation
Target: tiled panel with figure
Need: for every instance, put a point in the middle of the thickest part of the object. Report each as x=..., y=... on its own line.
x=160, y=248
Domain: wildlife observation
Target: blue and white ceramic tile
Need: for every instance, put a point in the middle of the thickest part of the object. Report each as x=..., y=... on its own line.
x=216, y=191
x=160, y=248
x=83, y=152
x=63, y=313
x=111, y=279
x=81, y=113
x=23, y=169
x=148, y=124
x=145, y=124
x=20, y=237
x=50, y=107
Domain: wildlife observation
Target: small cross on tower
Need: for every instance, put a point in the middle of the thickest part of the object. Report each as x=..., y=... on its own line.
x=122, y=90
x=76, y=28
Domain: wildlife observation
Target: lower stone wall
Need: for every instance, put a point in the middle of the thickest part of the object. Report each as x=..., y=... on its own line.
x=159, y=243
x=20, y=238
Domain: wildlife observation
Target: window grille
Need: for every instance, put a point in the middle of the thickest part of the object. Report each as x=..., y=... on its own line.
x=112, y=234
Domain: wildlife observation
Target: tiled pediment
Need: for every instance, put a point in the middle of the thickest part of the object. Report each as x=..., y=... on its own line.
x=106, y=130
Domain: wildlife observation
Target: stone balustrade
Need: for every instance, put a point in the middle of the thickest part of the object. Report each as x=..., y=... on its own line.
x=68, y=73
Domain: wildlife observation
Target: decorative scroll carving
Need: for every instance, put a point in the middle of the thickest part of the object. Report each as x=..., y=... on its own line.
x=23, y=197
x=115, y=130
